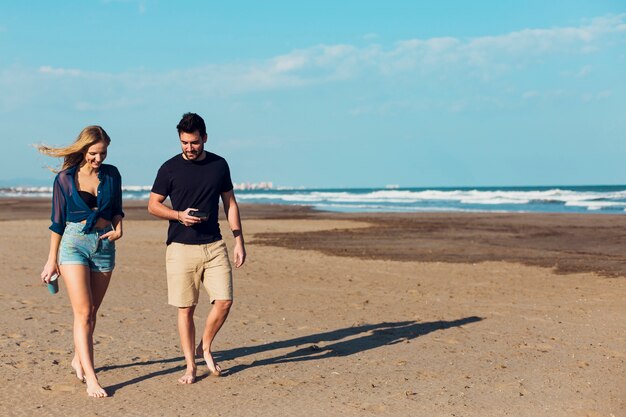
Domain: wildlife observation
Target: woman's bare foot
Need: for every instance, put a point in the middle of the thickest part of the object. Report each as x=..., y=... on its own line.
x=189, y=377
x=95, y=390
x=78, y=369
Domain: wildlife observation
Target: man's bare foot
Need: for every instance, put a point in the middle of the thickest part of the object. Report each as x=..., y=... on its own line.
x=189, y=377
x=78, y=369
x=199, y=352
x=214, y=368
x=95, y=390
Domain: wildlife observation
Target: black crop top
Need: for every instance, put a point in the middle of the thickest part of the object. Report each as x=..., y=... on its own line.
x=89, y=199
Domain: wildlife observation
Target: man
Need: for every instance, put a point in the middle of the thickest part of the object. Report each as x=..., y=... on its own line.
x=194, y=181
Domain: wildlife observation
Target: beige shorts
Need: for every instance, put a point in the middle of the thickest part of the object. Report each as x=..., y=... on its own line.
x=189, y=265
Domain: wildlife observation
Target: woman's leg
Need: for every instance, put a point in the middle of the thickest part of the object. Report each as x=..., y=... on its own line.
x=99, y=285
x=78, y=284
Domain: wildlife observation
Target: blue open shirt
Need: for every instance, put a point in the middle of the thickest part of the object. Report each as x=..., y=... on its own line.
x=68, y=206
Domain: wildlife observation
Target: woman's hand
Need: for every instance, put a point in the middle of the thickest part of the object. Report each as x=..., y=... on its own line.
x=49, y=269
x=113, y=235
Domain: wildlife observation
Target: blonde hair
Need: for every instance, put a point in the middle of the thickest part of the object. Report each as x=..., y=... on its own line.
x=74, y=154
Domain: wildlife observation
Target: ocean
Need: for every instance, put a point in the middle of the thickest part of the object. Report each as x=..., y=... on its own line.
x=557, y=199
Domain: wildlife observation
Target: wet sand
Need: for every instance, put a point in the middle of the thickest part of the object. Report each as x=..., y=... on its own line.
x=339, y=314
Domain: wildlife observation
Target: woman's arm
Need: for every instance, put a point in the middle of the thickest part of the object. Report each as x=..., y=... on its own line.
x=117, y=231
x=57, y=227
x=117, y=213
x=51, y=267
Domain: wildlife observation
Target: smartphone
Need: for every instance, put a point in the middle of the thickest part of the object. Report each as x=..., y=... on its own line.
x=200, y=214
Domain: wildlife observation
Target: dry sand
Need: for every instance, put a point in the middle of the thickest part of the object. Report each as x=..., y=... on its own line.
x=338, y=315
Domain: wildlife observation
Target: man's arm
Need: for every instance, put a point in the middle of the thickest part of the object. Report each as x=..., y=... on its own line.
x=158, y=209
x=231, y=209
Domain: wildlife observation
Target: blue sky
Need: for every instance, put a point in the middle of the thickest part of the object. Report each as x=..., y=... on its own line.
x=324, y=93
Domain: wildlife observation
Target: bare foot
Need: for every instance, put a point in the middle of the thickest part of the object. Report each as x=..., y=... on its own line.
x=189, y=377
x=78, y=369
x=95, y=390
x=199, y=352
x=214, y=368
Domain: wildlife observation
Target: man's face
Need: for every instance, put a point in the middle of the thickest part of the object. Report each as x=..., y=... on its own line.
x=192, y=145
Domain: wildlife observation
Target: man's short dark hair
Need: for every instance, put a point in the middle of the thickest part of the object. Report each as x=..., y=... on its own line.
x=190, y=123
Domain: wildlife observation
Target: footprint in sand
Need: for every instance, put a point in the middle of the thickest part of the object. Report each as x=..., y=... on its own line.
x=57, y=388
x=541, y=347
x=448, y=341
x=59, y=351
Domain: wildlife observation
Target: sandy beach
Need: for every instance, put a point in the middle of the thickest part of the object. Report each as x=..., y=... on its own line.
x=338, y=315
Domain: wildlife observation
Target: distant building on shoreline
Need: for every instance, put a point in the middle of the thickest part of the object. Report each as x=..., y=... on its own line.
x=253, y=186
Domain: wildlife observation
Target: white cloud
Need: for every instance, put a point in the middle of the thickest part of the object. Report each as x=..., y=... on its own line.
x=287, y=63
x=595, y=96
x=61, y=71
x=584, y=71
x=494, y=54
x=459, y=106
x=443, y=57
x=371, y=36
x=530, y=94
x=563, y=95
x=141, y=4
x=552, y=95
x=390, y=107
x=484, y=57
x=558, y=94
x=114, y=104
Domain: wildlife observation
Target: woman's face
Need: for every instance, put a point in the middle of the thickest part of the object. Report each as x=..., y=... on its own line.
x=95, y=155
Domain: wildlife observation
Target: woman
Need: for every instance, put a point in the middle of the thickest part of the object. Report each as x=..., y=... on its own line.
x=86, y=222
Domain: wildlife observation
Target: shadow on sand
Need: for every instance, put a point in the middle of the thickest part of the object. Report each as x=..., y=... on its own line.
x=361, y=339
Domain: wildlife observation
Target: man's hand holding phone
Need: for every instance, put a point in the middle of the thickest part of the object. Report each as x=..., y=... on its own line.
x=199, y=214
x=191, y=216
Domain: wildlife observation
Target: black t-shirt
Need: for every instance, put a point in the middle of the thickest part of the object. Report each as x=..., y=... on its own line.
x=196, y=184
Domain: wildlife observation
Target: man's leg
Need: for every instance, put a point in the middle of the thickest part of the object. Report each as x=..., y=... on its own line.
x=187, y=332
x=215, y=320
x=183, y=280
x=218, y=280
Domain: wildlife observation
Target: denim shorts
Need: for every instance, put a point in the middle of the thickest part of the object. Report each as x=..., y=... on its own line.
x=78, y=248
